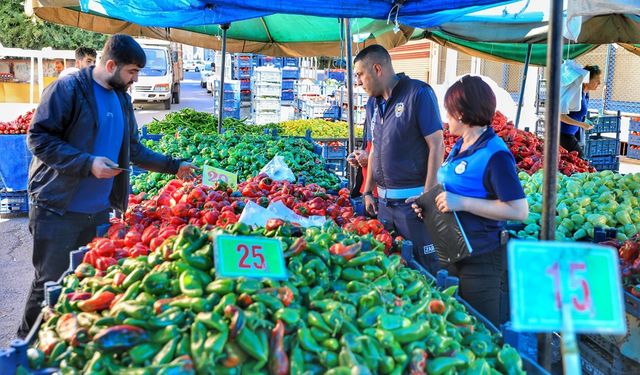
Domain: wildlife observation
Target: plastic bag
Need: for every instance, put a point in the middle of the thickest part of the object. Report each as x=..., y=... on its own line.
x=255, y=215
x=278, y=169
x=572, y=77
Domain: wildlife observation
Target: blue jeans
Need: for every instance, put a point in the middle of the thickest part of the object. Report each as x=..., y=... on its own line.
x=399, y=216
x=54, y=237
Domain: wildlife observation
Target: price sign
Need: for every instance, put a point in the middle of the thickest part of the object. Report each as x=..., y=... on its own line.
x=248, y=256
x=210, y=175
x=545, y=275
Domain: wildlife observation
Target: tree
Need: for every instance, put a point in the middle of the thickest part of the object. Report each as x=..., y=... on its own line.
x=19, y=31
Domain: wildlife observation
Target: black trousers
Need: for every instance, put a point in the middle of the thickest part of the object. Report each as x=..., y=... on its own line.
x=570, y=143
x=484, y=284
x=54, y=237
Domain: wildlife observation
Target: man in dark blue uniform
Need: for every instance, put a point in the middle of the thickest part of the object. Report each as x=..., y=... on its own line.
x=407, y=146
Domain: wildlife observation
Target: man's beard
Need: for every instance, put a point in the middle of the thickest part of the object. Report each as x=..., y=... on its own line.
x=117, y=83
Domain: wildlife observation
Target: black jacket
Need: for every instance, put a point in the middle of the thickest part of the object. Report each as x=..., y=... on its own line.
x=61, y=138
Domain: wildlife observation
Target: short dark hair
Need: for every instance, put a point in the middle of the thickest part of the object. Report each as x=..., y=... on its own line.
x=471, y=98
x=374, y=53
x=124, y=50
x=82, y=52
x=594, y=70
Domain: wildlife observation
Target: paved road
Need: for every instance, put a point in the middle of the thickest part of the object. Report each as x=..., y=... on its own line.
x=16, y=271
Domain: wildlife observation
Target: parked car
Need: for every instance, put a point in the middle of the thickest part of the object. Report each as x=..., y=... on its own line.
x=205, y=72
x=199, y=65
x=189, y=65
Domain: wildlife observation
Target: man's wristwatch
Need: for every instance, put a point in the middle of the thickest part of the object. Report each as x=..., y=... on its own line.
x=367, y=193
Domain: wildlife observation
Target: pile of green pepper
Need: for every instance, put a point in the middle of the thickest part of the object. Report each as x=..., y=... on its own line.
x=342, y=307
x=244, y=155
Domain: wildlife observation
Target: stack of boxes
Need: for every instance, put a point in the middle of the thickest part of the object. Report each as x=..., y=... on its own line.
x=231, y=98
x=266, y=90
x=360, y=99
x=602, y=150
x=242, y=71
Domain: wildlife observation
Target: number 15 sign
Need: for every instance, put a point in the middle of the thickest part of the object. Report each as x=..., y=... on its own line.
x=545, y=275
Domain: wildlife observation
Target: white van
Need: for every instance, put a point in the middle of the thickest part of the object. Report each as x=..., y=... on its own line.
x=159, y=80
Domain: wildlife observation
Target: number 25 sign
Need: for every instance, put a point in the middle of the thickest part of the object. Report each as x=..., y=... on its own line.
x=545, y=276
x=248, y=256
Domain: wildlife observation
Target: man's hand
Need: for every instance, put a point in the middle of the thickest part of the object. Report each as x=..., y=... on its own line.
x=370, y=205
x=447, y=202
x=186, y=171
x=358, y=158
x=587, y=125
x=103, y=168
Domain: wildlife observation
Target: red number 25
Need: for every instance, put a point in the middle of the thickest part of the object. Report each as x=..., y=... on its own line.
x=256, y=252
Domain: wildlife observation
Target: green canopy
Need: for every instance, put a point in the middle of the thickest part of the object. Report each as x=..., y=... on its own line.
x=506, y=52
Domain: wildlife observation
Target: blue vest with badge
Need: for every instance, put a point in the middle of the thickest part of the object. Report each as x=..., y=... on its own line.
x=464, y=175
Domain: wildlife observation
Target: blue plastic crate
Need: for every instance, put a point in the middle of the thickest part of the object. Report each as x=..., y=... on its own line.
x=634, y=124
x=291, y=61
x=334, y=151
x=358, y=206
x=601, y=146
x=634, y=140
x=268, y=60
x=605, y=124
x=290, y=73
x=632, y=304
x=246, y=60
x=146, y=135
x=288, y=84
x=605, y=163
x=338, y=75
x=633, y=153
x=335, y=166
x=597, y=360
x=14, y=202
x=332, y=113
x=245, y=97
x=288, y=95
x=242, y=73
x=525, y=343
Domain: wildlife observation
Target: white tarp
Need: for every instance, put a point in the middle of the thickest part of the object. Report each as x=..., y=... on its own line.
x=579, y=11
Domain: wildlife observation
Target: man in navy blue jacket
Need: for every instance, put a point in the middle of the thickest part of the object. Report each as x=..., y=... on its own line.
x=407, y=148
x=83, y=129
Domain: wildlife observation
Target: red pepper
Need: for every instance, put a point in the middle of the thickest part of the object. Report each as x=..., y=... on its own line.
x=97, y=302
x=103, y=263
x=375, y=226
x=227, y=218
x=133, y=237
x=78, y=296
x=273, y=224
x=265, y=183
x=278, y=359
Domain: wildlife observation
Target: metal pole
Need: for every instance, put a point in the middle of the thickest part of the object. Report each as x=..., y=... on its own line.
x=551, y=146
x=524, y=80
x=352, y=134
x=224, y=28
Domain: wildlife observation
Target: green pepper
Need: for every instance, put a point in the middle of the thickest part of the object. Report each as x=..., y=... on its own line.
x=479, y=367
x=270, y=301
x=156, y=283
x=168, y=317
x=36, y=358
x=164, y=335
x=370, y=317
x=216, y=342
x=393, y=322
x=165, y=355
x=443, y=365
x=190, y=285
x=352, y=274
x=184, y=345
x=509, y=360
x=288, y=315
x=135, y=275
x=297, y=360
x=221, y=286
x=249, y=286
x=319, y=334
x=315, y=319
x=307, y=341
x=198, y=338
x=253, y=345
x=133, y=309
x=137, y=322
x=212, y=320
x=383, y=283
x=131, y=292
x=365, y=258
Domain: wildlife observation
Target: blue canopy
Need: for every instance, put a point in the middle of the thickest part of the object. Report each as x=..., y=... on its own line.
x=182, y=13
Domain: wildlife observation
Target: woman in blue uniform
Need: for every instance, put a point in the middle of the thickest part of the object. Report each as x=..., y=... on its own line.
x=574, y=121
x=481, y=184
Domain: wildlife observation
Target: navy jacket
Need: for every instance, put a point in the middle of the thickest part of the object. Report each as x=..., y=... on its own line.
x=61, y=138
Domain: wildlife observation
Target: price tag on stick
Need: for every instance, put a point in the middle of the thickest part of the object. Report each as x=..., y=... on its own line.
x=210, y=175
x=249, y=256
x=582, y=278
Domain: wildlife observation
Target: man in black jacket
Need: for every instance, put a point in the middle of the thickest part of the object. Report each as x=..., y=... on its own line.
x=83, y=129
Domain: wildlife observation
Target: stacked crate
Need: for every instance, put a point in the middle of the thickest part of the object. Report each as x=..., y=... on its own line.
x=267, y=91
x=230, y=98
x=600, y=150
x=244, y=64
x=360, y=99
x=290, y=75
x=633, y=150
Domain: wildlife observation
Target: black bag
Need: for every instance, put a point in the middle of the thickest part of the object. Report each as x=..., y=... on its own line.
x=448, y=237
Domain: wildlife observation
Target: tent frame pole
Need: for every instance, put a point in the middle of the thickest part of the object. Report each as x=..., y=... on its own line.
x=522, y=87
x=551, y=147
x=223, y=68
x=352, y=134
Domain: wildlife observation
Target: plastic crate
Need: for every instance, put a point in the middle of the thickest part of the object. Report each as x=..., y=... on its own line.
x=288, y=95
x=14, y=202
x=334, y=151
x=267, y=74
x=634, y=124
x=596, y=360
x=358, y=206
x=601, y=146
x=634, y=140
x=605, y=124
x=246, y=60
x=290, y=73
x=337, y=74
x=245, y=84
x=246, y=97
x=270, y=61
x=242, y=73
x=633, y=153
x=227, y=104
x=632, y=304
x=335, y=166
x=266, y=118
x=290, y=61
x=605, y=163
x=266, y=104
x=145, y=135
x=267, y=90
x=288, y=84
x=332, y=112
x=14, y=164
